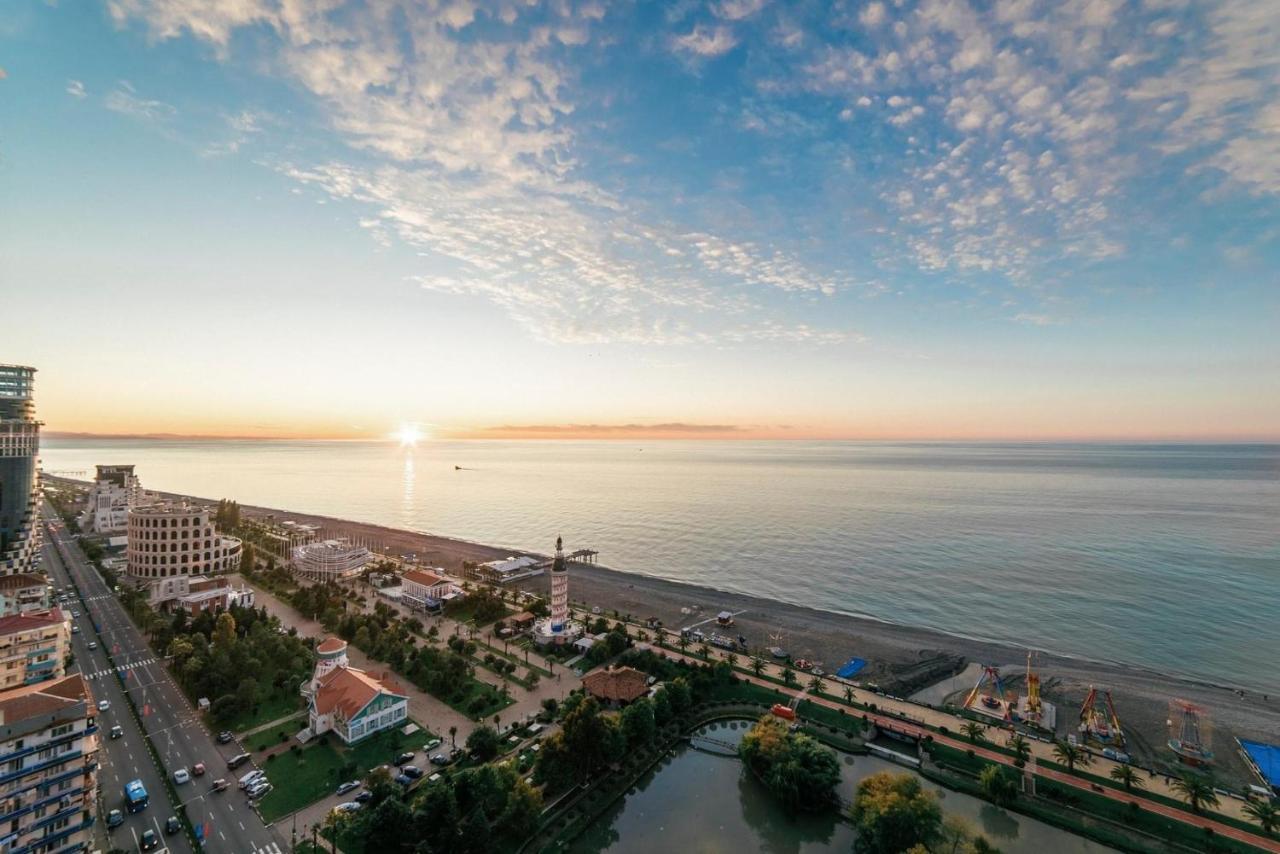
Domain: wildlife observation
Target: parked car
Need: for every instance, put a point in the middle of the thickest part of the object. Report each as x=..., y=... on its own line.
x=252, y=777
x=238, y=760
x=75, y=613
x=197, y=770
x=103, y=705
x=115, y=818
x=404, y=758
x=259, y=789
x=171, y=825
x=182, y=775
x=117, y=731
x=148, y=840
x=440, y=759
x=221, y=784
x=431, y=745
x=348, y=786
x=93, y=644
x=364, y=797
x=75, y=630
x=349, y=806
x=404, y=780
x=225, y=737
x=411, y=771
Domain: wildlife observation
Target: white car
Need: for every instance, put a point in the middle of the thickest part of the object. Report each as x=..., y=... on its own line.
x=349, y=806
x=182, y=775
x=103, y=705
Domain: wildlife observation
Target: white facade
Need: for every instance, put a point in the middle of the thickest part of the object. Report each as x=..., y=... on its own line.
x=427, y=589
x=170, y=543
x=330, y=560
x=115, y=492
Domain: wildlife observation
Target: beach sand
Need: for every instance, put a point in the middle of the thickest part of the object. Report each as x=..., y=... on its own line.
x=901, y=659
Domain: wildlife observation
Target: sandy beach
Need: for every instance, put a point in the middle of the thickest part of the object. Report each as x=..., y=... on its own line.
x=901, y=659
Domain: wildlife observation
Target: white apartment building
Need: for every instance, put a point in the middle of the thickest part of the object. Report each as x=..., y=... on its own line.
x=170, y=543
x=115, y=491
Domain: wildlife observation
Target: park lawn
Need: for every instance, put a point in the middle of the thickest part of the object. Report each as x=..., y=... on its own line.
x=278, y=705
x=465, y=613
x=273, y=735
x=305, y=776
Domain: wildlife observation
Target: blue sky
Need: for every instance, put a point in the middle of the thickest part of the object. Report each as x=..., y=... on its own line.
x=919, y=219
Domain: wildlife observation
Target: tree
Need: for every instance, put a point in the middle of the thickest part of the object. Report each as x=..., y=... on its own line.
x=1070, y=755
x=757, y=666
x=892, y=813
x=683, y=643
x=1127, y=777
x=453, y=736
x=638, y=723
x=788, y=675
x=1000, y=786
x=224, y=631
x=974, y=731
x=795, y=768
x=1021, y=748
x=848, y=695
x=1197, y=791
x=817, y=685
x=1264, y=813
x=483, y=743
x=704, y=651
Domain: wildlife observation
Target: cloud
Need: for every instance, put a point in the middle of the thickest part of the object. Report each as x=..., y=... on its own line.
x=241, y=127
x=872, y=15
x=124, y=99
x=611, y=429
x=738, y=10
x=75, y=89
x=706, y=41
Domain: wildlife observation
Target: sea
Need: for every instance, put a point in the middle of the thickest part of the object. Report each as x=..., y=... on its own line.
x=1161, y=556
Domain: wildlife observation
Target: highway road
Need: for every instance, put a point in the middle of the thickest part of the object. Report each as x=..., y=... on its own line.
x=173, y=725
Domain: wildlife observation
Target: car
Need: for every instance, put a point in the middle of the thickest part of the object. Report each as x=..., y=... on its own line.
x=115, y=818
x=117, y=731
x=440, y=759
x=252, y=777
x=225, y=737
x=171, y=825
x=412, y=771
x=349, y=806
x=404, y=758
x=182, y=775
x=238, y=760
x=148, y=840
x=75, y=630
x=348, y=786
x=259, y=790
x=75, y=613
x=197, y=770
x=103, y=705
x=404, y=780
x=432, y=744
x=93, y=644
x=221, y=784
x=364, y=797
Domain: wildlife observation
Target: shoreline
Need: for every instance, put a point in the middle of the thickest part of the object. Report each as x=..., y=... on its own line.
x=902, y=658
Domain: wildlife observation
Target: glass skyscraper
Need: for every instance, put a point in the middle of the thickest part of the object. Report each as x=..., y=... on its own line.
x=19, y=478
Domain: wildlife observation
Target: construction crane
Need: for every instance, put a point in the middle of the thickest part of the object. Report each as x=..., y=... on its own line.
x=1101, y=722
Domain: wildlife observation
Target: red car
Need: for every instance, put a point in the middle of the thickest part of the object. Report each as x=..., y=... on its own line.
x=197, y=770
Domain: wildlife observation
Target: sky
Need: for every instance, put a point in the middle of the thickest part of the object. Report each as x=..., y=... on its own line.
x=925, y=219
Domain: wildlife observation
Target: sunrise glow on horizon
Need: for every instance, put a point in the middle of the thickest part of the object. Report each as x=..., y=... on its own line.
x=924, y=220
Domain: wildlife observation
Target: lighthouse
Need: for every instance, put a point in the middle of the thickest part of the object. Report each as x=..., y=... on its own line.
x=559, y=590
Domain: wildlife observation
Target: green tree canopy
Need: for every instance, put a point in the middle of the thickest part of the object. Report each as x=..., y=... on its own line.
x=893, y=812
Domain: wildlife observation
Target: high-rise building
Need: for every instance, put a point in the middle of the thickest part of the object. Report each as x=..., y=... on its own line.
x=115, y=491
x=19, y=474
x=49, y=747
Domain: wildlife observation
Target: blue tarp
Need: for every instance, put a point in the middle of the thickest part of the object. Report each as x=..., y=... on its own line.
x=851, y=667
x=1267, y=758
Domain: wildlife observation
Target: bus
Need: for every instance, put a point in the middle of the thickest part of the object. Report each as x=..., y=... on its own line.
x=135, y=796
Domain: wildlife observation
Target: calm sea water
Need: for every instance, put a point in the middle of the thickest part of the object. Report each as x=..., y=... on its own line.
x=1161, y=556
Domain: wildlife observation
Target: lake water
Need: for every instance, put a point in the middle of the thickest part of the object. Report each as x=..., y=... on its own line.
x=703, y=804
x=1161, y=556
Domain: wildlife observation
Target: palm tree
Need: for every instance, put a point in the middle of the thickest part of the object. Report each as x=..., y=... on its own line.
x=704, y=651
x=1196, y=791
x=817, y=685
x=788, y=675
x=732, y=658
x=1265, y=814
x=1021, y=749
x=757, y=666
x=1070, y=755
x=848, y=695
x=1127, y=777
x=975, y=731
x=683, y=643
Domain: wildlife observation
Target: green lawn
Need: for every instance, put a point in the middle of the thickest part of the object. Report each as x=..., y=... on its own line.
x=304, y=777
x=276, y=706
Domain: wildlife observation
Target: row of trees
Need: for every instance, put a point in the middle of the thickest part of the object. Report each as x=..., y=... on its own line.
x=227, y=515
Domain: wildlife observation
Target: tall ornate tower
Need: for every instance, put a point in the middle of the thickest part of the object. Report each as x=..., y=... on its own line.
x=559, y=589
x=19, y=477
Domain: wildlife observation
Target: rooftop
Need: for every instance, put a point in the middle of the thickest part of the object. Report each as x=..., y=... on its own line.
x=426, y=579
x=65, y=698
x=331, y=645
x=619, y=684
x=347, y=690
x=22, y=581
x=31, y=620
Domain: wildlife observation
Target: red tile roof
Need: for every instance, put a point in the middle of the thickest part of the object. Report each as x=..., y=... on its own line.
x=22, y=581
x=619, y=684
x=347, y=691
x=331, y=645
x=30, y=621
x=426, y=579
x=43, y=698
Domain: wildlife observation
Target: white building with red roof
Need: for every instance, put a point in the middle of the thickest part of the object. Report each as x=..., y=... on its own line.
x=427, y=589
x=349, y=702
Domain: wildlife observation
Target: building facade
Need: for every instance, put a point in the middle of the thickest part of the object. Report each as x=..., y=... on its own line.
x=505, y=571
x=213, y=594
x=19, y=472
x=48, y=767
x=348, y=702
x=172, y=543
x=115, y=491
x=33, y=647
x=420, y=588
x=24, y=592
x=330, y=560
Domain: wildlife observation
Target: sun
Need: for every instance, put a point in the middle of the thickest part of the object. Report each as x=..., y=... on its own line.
x=409, y=435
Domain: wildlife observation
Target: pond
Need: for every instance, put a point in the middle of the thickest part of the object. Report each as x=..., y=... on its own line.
x=702, y=803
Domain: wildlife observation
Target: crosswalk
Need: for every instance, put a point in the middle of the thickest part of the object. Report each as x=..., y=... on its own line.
x=121, y=669
x=273, y=848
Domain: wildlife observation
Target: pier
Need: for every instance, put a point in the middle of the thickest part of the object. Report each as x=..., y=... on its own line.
x=580, y=556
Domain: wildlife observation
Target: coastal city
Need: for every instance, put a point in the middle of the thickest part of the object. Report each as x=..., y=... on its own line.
x=189, y=673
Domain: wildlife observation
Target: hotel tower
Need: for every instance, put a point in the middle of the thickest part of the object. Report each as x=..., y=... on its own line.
x=19, y=477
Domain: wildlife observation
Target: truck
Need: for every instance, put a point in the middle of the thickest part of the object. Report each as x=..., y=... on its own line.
x=135, y=796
